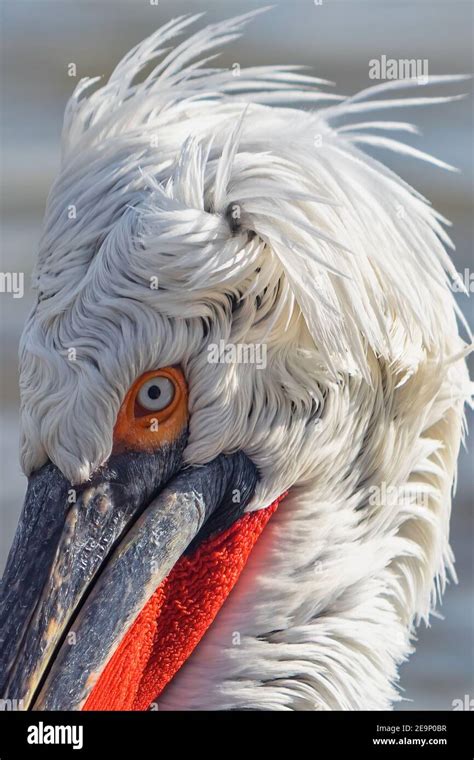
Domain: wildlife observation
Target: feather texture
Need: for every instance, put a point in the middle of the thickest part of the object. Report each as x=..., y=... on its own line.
x=264, y=224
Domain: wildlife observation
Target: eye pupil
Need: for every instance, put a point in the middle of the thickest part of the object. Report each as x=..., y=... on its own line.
x=154, y=392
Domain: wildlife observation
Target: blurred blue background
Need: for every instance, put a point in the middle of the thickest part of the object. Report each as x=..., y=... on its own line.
x=337, y=39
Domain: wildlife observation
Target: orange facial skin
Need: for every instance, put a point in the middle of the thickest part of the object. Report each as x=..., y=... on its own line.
x=138, y=429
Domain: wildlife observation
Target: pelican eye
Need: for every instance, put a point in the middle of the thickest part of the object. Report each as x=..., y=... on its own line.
x=153, y=412
x=156, y=394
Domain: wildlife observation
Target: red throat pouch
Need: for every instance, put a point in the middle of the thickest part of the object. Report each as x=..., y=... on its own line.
x=176, y=617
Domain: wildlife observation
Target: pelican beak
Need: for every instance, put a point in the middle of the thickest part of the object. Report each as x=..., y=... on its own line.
x=85, y=561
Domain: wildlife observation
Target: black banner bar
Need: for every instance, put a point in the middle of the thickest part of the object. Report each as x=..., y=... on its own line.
x=377, y=734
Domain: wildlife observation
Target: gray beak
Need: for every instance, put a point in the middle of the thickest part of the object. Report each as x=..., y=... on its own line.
x=85, y=562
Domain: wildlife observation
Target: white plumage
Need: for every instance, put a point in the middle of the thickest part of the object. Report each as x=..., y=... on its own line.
x=264, y=224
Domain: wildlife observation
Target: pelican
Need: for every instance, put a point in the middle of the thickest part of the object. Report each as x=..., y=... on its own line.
x=242, y=389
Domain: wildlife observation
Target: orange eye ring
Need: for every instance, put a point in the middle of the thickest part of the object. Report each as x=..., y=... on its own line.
x=140, y=429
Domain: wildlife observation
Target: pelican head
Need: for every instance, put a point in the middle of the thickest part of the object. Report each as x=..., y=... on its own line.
x=243, y=330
